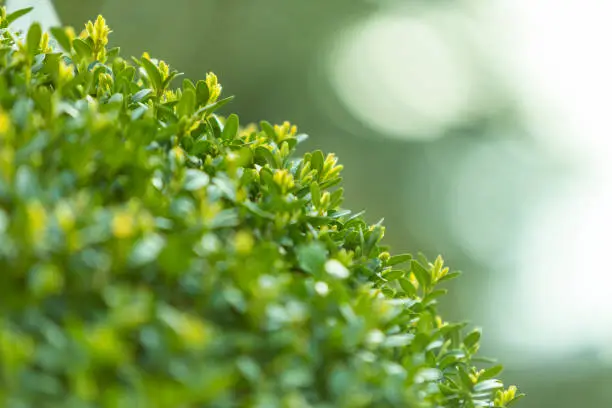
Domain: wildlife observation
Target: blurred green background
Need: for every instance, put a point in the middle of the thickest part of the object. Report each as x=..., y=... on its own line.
x=472, y=126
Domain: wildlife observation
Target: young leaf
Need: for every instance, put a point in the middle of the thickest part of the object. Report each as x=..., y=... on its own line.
x=330, y=183
x=141, y=95
x=471, y=339
x=393, y=274
x=450, y=276
x=488, y=385
x=268, y=129
x=62, y=38
x=491, y=372
x=421, y=274
x=230, y=130
x=336, y=198
x=17, y=14
x=266, y=156
x=430, y=297
x=202, y=92
x=188, y=84
x=312, y=257
x=210, y=108
x=82, y=48
x=33, y=38
x=152, y=73
x=186, y=105
x=195, y=180
x=113, y=53
x=465, y=378
x=408, y=287
x=201, y=146
x=398, y=259
x=317, y=161
x=315, y=194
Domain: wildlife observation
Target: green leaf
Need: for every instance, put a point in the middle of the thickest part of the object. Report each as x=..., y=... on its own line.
x=82, y=48
x=152, y=73
x=452, y=358
x=265, y=155
x=488, y=385
x=431, y=296
x=33, y=39
x=354, y=217
x=447, y=390
x=38, y=63
x=230, y=130
x=62, y=38
x=146, y=250
x=315, y=194
x=465, y=378
x=255, y=209
x=398, y=340
x=188, y=84
x=330, y=183
x=116, y=99
x=471, y=339
x=311, y=258
x=249, y=369
x=374, y=237
x=186, y=105
x=17, y=14
x=225, y=219
x=42, y=97
x=268, y=129
x=394, y=274
x=316, y=161
x=226, y=186
x=113, y=53
x=141, y=95
x=450, y=276
x=244, y=157
x=201, y=146
x=491, y=372
x=173, y=259
x=202, y=92
x=336, y=198
x=208, y=109
x=421, y=274
x=195, y=180
x=291, y=142
x=139, y=111
x=398, y=259
x=171, y=76
x=215, y=126
x=408, y=287
x=486, y=360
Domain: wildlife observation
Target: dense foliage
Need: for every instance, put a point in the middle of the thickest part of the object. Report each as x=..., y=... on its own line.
x=154, y=254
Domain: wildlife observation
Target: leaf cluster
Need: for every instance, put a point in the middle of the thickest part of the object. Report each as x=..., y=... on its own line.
x=156, y=254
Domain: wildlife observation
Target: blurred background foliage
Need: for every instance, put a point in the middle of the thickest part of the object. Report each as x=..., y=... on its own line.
x=453, y=104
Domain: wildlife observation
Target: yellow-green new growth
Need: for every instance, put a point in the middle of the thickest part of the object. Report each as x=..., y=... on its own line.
x=98, y=31
x=214, y=87
x=504, y=397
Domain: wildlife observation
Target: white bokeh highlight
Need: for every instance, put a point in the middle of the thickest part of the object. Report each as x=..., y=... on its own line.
x=561, y=61
x=398, y=73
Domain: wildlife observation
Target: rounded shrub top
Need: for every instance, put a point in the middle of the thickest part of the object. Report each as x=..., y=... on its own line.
x=154, y=254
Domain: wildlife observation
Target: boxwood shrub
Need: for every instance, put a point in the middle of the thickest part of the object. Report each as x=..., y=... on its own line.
x=156, y=254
